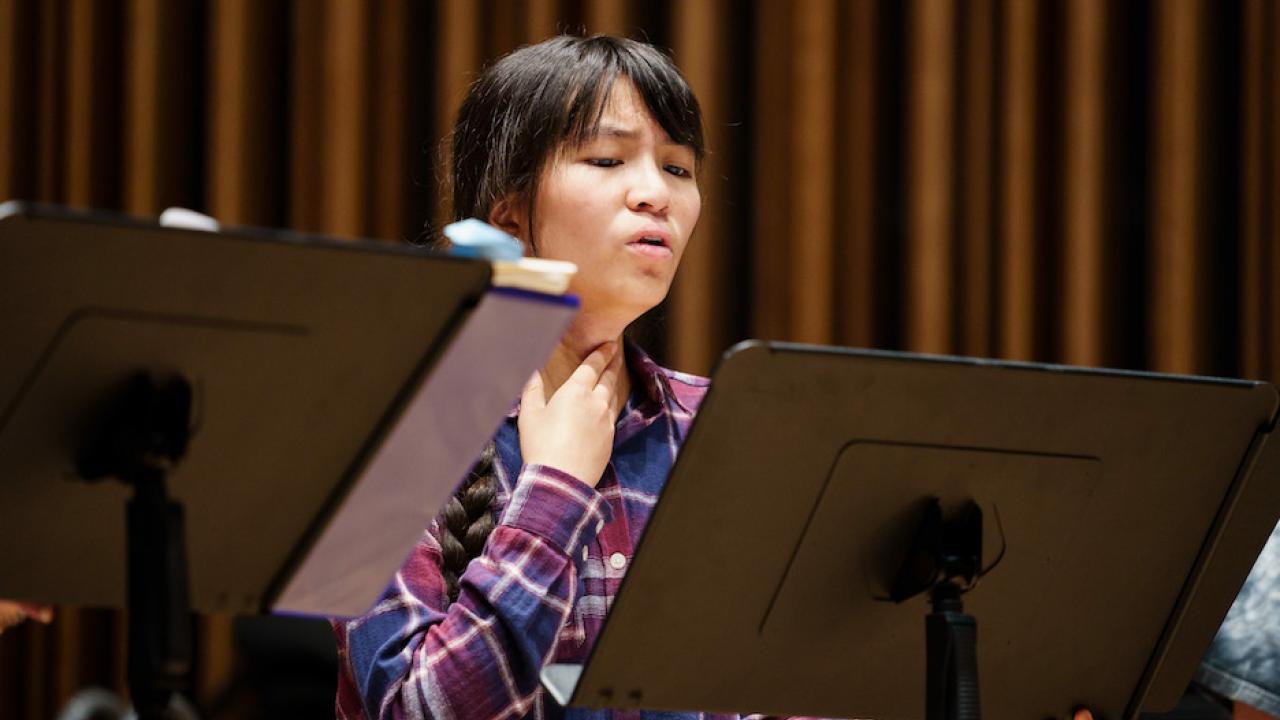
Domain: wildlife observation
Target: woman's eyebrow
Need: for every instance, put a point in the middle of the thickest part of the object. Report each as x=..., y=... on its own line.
x=617, y=131
x=627, y=133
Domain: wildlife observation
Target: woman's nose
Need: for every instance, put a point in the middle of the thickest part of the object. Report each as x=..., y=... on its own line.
x=648, y=191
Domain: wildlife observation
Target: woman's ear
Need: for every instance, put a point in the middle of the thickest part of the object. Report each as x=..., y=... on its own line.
x=509, y=216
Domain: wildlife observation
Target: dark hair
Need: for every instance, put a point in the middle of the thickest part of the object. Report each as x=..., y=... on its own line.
x=519, y=113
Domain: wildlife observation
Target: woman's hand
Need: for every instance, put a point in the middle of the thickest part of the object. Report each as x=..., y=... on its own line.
x=12, y=613
x=572, y=431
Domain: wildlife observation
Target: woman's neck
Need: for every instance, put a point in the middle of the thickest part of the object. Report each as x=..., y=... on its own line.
x=574, y=347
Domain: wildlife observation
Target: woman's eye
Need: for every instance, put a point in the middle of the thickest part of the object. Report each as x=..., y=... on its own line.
x=677, y=170
x=604, y=162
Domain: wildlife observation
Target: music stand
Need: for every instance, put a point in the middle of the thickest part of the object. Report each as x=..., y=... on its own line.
x=304, y=405
x=1130, y=506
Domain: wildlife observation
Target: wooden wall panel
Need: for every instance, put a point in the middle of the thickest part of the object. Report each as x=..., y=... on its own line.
x=1175, y=274
x=812, y=190
x=82, y=44
x=49, y=136
x=1084, y=294
x=931, y=208
x=698, y=298
x=346, y=128
x=18, y=74
x=1271, y=189
x=144, y=109
x=1018, y=120
x=458, y=59
x=242, y=161
x=977, y=185
x=1254, y=204
x=774, y=176
x=307, y=116
x=609, y=17
x=856, y=188
x=391, y=154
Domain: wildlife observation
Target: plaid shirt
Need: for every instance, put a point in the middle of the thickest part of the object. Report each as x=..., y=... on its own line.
x=540, y=590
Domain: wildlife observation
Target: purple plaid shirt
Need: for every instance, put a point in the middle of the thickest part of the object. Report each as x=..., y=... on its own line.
x=540, y=590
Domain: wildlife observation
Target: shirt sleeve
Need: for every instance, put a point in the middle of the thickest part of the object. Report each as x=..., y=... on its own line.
x=415, y=655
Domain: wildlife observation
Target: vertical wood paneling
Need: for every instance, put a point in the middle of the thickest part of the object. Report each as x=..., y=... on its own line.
x=239, y=181
x=49, y=138
x=457, y=63
x=1084, y=294
x=1270, y=188
x=391, y=151
x=1017, y=182
x=976, y=191
x=609, y=17
x=812, y=200
x=38, y=700
x=771, y=211
x=9, y=79
x=82, y=18
x=698, y=306
x=1175, y=278
x=216, y=646
x=855, y=142
x=306, y=117
x=1253, y=246
x=67, y=632
x=540, y=20
x=144, y=109
x=930, y=213
x=346, y=118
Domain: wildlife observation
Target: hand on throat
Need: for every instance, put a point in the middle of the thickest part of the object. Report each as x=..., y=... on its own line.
x=583, y=336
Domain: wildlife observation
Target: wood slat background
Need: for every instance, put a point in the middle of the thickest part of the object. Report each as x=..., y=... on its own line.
x=1087, y=182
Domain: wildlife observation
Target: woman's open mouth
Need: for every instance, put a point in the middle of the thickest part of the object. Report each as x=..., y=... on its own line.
x=653, y=245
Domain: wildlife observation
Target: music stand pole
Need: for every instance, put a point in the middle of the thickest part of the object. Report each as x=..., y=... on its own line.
x=951, y=637
x=144, y=433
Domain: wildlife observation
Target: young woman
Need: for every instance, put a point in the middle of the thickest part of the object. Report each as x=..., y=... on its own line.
x=586, y=150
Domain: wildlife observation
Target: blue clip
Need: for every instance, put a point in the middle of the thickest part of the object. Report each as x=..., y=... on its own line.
x=475, y=238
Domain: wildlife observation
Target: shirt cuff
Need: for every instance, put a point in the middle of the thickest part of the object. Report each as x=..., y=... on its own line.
x=556, y=506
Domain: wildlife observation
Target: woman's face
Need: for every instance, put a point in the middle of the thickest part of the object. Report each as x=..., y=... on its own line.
x=622, y=207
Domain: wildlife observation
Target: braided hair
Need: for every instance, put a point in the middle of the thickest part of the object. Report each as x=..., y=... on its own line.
x=467, y=519
x=520, y=112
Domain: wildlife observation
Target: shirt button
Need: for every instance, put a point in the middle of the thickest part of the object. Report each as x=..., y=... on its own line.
x=617, y=561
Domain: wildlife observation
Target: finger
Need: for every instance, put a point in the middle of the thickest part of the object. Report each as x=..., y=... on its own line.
x=532, y=396
x=39, y=613
x=609, y=380
x=1082, y=714
x=588, y=373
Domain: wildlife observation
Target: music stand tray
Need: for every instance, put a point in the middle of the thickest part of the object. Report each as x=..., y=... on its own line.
x=1130, y=507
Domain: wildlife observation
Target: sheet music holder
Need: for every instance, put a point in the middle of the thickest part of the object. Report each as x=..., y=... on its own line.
x=1132, y=506
x=339, y=390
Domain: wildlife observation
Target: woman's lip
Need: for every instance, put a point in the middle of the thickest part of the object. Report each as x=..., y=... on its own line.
x=658, y=252
x=654, y=233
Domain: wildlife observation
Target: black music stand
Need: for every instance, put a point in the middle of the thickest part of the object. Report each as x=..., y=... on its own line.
x=286, y=414
x=1128, y=507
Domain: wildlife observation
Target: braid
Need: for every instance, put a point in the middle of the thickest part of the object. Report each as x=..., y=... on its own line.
x=468, y=519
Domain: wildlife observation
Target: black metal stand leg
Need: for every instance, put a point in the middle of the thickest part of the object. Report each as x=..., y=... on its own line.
x=143, y=433
x=952, y=642
x=159, y=616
